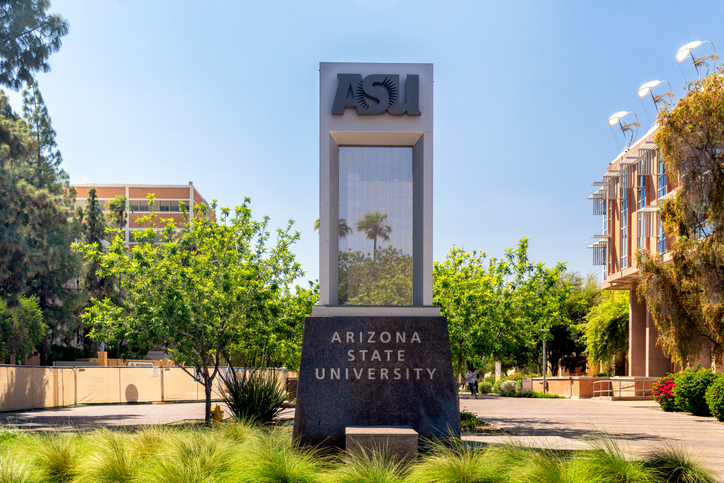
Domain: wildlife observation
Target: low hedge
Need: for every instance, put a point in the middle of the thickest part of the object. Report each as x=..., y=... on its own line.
x=715, y=397
x=663, y=390
x=690, y=390
x=485, y=387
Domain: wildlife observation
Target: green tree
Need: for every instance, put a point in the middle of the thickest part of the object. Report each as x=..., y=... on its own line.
x=276, y=340
x=606, y=329
x=200, y=293
x=35, y=227
x=18, y=210
x=44, y=158
x=21, y=329
x=54, y=267
x=93, y=229
x=28, y=36
x=497, y=309
x=373, y=224
x=686, y=295
x=567, y=348
x=118, y=211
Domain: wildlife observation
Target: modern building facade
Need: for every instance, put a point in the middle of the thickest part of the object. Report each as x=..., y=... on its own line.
x=168, y=199
x=628, y=199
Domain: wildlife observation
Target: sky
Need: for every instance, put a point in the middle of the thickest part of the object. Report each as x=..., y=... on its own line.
x=226, y=94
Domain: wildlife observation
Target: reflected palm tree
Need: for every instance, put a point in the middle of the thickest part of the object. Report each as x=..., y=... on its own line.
x=373, y=226
x=342, y=228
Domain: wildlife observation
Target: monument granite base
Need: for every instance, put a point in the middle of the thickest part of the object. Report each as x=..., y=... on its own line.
x=375, y=371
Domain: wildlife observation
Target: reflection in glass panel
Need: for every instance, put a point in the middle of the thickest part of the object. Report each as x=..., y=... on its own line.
x=375, y=225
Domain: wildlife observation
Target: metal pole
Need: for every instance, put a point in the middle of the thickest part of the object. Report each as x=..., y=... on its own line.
x=545, y=369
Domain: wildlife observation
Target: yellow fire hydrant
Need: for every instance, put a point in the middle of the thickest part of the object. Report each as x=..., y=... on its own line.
x=217, y=414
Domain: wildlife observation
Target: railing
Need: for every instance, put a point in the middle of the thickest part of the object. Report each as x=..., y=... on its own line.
x=599, y=392
x=620, y=388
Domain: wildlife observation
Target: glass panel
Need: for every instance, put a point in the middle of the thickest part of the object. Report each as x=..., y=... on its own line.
x=175, y=206
x=375, y=226
x=164, y=205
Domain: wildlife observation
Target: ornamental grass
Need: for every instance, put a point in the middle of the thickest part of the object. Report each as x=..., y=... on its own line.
x=233, y=452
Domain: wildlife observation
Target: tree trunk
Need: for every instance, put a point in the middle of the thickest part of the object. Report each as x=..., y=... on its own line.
x=208, y=384
x=43, y=351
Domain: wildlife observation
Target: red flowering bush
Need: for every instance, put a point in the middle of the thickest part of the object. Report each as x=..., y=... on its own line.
x=664, y=393
x=715, y=397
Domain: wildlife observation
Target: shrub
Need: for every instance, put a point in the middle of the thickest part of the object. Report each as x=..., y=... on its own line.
x=485, y=387
x=690, y=390
x=496, y=387
x=256, y=396
x=542, y=395
x=508, y=387
x=601, y=374
x=663, y=390
x=468, y=421
x=715, y=397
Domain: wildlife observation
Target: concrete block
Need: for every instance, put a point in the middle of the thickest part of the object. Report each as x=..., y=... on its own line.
x=398, y=441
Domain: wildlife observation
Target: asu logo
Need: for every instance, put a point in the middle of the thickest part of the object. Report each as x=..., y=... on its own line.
x=377, y=94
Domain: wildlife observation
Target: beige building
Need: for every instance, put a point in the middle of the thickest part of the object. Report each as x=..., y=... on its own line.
x=168, y=199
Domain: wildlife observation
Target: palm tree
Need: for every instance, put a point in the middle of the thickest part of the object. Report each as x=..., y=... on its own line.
x=117, y=211
x=342, y=227
x=372, y=225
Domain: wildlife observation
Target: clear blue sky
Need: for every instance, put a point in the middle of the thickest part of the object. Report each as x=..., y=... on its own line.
x=225, y=94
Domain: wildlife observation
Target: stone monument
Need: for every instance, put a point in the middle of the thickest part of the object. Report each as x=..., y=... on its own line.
x=375, y=352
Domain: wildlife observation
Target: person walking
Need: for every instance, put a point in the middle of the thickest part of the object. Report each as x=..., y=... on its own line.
x=472, y=383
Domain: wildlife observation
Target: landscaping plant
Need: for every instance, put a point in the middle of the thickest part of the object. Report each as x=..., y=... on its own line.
x=256, y=396
x=12, y=470
x=508, y=387
x=235, y=452
x=715, y=397
x=673, y=463
x=115, y=459
x=272, y=457
x=485, y=387
x=368, y=466
x=690, y=391
x=455, y=463
x=55, y=458
x=468, y=421
x=663, y=390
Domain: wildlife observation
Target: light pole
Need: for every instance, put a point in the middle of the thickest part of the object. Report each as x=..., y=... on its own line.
x=545, y=368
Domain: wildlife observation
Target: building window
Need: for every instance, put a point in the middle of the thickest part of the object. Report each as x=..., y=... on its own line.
x=662, y=179
x=164, y=206
x=605, y=232
x=139, y=206
x=661, y=237
x=624, y=225
x=641, y=203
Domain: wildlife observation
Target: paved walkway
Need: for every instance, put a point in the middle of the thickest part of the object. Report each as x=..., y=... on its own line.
x=116, y=415
x=566, y=423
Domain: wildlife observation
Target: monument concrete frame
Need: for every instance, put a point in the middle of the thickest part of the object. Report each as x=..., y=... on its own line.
x=351, y=129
